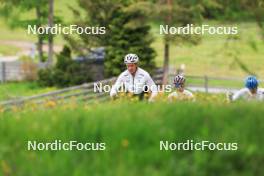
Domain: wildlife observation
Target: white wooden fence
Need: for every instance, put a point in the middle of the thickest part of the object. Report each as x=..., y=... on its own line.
x=13, y=70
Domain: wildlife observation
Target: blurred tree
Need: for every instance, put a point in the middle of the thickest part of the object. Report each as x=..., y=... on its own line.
x=180, y=13
x=237, y=10
x=66, y=71
x=13, y=11
x=50, y=36
x=126, y=31
x=176, y=13
x=256, y=8
x=92, y=13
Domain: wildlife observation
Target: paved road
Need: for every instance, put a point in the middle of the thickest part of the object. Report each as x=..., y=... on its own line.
x=212, y=90
x=25, y=49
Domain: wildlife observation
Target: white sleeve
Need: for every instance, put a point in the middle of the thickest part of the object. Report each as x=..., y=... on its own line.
x=261, y=93
x=190, y=95
x=150, y=83
x=116, y=86
x=239, y=94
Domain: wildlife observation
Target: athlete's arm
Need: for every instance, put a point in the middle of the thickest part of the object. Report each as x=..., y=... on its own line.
x=239, y=94
x=116, y=86
x=152, y=86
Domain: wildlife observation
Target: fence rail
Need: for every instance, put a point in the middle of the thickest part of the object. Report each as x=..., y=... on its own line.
x=85, y=92
x=211, y=84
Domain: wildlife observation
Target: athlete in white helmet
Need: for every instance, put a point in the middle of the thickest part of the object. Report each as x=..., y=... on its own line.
x=134, y=80
x=180, y=93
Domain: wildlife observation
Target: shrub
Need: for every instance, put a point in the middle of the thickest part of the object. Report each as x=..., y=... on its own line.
x=66, y=72
x=45, y=77
x=29, y=68
x=126, y=36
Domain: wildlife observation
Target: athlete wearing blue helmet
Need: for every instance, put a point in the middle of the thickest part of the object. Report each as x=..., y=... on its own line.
x=251, y=90
x=251, y=82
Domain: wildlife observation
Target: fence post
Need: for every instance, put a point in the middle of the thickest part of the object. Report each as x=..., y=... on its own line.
x=206, y=83
x=3, y=72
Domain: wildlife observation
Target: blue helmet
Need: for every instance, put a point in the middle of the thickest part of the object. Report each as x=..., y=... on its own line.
x=251, y=82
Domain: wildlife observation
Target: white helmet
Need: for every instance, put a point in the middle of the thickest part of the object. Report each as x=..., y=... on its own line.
x=131, y=59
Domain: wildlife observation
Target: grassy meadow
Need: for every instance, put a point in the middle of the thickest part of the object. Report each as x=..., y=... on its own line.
x=13, y=90
x=132, y=132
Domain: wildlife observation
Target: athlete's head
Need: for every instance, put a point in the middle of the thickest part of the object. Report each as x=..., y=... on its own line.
x=179, y=82
x=251, y=83
x=131, y=61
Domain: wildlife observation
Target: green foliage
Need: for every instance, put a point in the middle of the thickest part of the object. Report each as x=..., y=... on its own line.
x=45, y=77
x=92, y=13
x=234, y=10
x=8, y=50
x=13, y=90
x=128, y=37
x=179, y=13
x=13, y=11
x=132, y=132
x=127, y=31
x=66, y=72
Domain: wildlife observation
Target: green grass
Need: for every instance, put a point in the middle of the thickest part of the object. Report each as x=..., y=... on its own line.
x=212, y=82
x=13, y=34
x=209, y=57
x=60, y=9
x=132, y=132
x=15, y=90
x=215, y=83
x=8, y=50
